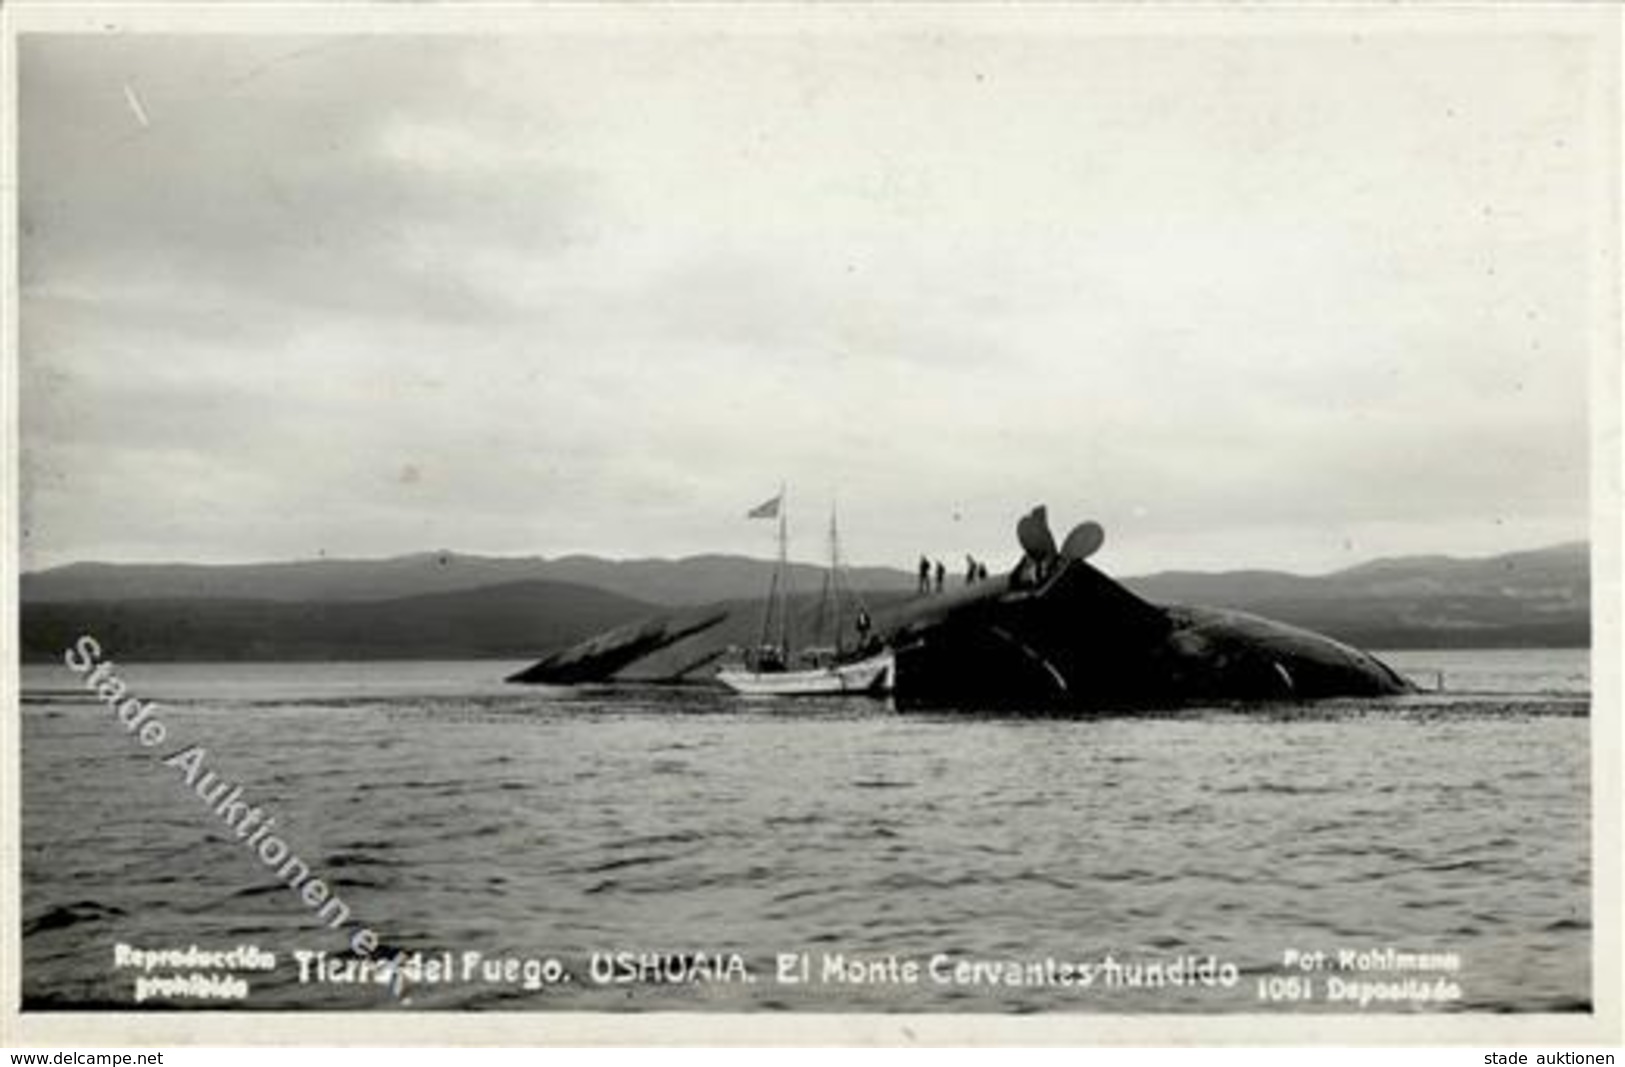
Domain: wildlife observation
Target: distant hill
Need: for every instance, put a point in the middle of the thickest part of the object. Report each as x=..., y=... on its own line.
x=1536, y=598
x=675, y=583
x=451, y=606
x=514, y=620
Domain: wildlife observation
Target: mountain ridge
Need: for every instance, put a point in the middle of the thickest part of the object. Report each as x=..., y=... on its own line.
x=510, y=620
x=686, y=581
x=447, y=571
x=471, y=606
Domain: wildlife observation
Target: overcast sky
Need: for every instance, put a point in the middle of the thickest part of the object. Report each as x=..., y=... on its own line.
x=1285, y=300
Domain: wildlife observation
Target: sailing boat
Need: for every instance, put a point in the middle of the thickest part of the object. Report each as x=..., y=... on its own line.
x=770, y=669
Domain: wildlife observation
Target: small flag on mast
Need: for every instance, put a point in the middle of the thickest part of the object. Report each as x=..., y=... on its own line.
x=767, y=509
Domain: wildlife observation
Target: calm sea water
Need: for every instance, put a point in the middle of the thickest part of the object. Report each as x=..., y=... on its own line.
x=556, y=828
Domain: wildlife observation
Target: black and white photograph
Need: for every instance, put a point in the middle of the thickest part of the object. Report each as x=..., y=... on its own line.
x=1048, y=515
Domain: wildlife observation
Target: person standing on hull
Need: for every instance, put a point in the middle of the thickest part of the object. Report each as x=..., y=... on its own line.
x=942, y=574
x=867, y=641
x=925, y=575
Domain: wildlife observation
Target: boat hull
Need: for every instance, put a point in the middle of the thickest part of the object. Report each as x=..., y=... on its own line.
x=872, y=675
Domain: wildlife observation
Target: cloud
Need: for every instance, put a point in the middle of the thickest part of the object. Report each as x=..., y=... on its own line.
x=1257, y=295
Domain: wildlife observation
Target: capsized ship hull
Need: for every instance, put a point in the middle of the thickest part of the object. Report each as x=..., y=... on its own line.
x=1055, y=634
x=1083, y=642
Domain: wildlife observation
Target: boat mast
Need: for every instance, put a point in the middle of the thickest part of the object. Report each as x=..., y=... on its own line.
x=841, y=580
x=782, y=577
x=778, y=589
x=834, y=583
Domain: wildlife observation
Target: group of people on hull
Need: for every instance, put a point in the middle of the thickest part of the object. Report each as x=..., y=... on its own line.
x=933, y=575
